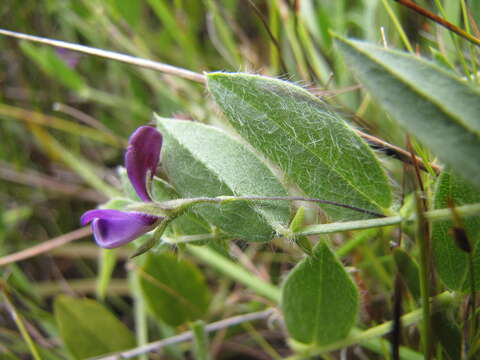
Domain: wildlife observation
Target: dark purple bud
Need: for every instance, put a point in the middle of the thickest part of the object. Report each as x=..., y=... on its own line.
x=142, y=155
x=113, y=228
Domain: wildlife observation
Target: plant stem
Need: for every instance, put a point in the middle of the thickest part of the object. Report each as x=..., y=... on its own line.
x=21, y=326
x=358, y=336
x=185, y=336
x=235, y=272
x=148, y=64
x=140, y=312
x=432, y=215
x=397, y=25
x=182, y=204
x=422, y=239
x=200, y=340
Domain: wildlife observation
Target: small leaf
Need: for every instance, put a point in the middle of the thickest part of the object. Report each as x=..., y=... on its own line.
x=313, y=146
x=451, y=262
x=408, y=271
x=430, y=102
x=319, y=299
x=204, y=161
x=88, y=329
x=297, y=220
x=174, y=289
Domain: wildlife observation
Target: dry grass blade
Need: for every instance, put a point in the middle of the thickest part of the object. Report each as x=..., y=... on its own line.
x=45, y=246
x=129, y=59
x=446, y=24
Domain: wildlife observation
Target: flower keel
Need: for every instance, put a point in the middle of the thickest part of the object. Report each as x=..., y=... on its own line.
x=113, y=228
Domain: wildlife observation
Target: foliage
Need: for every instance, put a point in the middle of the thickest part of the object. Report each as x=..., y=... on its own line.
x=391, y=232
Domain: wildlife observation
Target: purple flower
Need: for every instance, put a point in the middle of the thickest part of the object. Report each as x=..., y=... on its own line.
x=141, y=158
x=113, y=228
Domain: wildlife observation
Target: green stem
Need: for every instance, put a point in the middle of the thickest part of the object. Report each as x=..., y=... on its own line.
x=319, y=229
x=200, y=340
x=471, y=46
x=459, y=51
x=236, y=272
x=397, y=25
x=21, y=327
x=178, y=205
x=432, y=215
x=140, y=312
x=422, y=239
x=358, y=336
x=473, y=330
x=356, y=240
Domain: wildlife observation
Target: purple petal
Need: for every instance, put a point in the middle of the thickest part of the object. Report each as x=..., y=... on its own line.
x=142, y=155
x=113, y=228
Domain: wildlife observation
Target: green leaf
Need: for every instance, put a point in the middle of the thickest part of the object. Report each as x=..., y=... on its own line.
x=408, y=271
x=174, y=289
x=52, y=65
x=314, y=147
x=430, y=102
x=319, y=299
x=452, y=263
x=88, y=329
x=201, y=161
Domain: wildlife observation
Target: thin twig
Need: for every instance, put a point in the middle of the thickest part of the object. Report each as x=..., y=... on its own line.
x=129, y=59
x=167, y=205
x=31, y=178
x=396, y=152
x=441, y=21
x=270, y=34
x=18, y=319
x=81, y=116
x=188, y=335
x=45, y=246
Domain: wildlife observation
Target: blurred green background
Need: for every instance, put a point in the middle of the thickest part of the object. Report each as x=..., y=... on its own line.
x=65, y=117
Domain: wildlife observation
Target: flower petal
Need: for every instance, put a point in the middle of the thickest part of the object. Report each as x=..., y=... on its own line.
x=142, y=155
x=113, y=228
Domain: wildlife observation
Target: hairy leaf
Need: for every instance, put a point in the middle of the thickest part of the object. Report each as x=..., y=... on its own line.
x=174, y=289
x=88, y=329
x=451, y=262
x=430, y=102
x=201, y=160
x=313, y=146
x=319, y=300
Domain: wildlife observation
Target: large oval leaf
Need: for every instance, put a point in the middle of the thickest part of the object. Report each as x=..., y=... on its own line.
x=452, y=264
x=88, y=329
x=313, y=146
x=431, y=103
x=174, y=289
x=201, y=160
x=319, y=300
